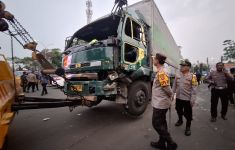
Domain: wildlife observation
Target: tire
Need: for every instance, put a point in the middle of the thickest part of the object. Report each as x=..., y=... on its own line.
x=138, y=98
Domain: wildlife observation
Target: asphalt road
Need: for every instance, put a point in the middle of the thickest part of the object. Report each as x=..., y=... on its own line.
x=107, y=127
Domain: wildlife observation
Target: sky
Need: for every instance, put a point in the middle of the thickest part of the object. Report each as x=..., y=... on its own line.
x=198, y=26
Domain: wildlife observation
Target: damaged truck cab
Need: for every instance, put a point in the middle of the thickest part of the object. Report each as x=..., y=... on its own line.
x=109, y=59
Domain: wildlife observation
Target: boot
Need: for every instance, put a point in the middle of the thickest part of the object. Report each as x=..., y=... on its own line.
x=159, y=145
x=187, y=131
x=179, y=122
x=171, y=146
x=224, y=117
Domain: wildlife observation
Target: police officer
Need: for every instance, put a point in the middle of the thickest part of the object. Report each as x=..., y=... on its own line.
x=218, y=80
x=31, y=81
x=161, y=102
x=231, y=87
x=184, y=86
x=24, y=81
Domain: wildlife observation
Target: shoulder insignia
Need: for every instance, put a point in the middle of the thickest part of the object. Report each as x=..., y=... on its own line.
x=194, y=80
x=163, y=79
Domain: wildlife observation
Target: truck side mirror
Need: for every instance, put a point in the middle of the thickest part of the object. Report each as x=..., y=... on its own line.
x=67, y=41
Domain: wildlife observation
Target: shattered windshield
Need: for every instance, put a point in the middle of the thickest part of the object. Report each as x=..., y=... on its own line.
x=99, y=30
x=76, y=41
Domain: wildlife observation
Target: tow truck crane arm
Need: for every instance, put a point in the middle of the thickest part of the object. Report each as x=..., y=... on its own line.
x=23, y=37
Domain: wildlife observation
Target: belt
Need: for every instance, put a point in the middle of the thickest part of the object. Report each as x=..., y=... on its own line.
x=220, y=88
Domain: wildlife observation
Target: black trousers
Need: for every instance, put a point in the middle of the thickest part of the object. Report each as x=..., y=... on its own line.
x=44, y=88
x=160, y=125
x=24, y=86
x=231, y=93
x=215, y=95
x=36, y=85
x=31, y=84
x=184, y=108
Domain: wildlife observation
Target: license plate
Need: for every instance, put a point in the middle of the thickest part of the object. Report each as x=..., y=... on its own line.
x=78, y=65
x=77, y=88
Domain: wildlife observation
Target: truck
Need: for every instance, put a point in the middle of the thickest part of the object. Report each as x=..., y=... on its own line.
x=110, y=58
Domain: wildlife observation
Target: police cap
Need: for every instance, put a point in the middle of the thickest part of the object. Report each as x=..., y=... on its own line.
x=185, y=62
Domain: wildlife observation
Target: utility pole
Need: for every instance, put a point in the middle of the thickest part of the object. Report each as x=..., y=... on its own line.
x=221, y=58
x=89, y=11
x=207, y=62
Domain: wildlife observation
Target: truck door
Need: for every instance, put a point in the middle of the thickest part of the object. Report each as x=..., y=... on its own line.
x=133, y=48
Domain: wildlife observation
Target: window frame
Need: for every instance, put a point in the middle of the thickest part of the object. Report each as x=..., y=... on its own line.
x=137, y=56
x=132, y=33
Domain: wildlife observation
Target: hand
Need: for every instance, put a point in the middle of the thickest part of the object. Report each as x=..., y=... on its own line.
x=173, y=97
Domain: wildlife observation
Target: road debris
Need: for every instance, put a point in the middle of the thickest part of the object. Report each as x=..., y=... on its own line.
x=46, y=119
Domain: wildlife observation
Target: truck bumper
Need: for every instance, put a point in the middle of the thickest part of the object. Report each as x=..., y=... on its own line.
x=90, y=88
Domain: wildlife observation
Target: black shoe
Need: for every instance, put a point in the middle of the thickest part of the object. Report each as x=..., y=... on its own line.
x=171, y=146
x=179, y=123
x=224, y=117
x=187, y=132
x=158, y=145
x=213, y=119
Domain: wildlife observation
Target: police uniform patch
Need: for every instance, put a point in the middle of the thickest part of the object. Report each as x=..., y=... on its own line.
x=163, y=79
x=194, y=80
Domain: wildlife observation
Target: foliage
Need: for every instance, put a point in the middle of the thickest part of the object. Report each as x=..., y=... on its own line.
x=201, y=67
x=229, y=50
x=27, y=62
x=56, y=57
x=17, y=60
x=52, y=55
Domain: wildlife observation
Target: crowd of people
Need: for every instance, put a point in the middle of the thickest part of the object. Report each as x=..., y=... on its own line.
x=220, y=81
x=32, y=79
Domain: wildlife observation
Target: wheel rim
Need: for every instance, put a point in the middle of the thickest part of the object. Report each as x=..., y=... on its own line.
x=140, y=98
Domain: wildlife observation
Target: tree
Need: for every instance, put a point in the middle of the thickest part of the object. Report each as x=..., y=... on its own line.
x=200, y=68
x=29, y=63
x=56, y=57
x=229, y=50
x=17, y=60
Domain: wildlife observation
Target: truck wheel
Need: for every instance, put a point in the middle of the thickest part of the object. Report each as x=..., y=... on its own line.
x=138, y=98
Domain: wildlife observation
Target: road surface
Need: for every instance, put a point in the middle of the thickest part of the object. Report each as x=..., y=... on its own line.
x=107, y=127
